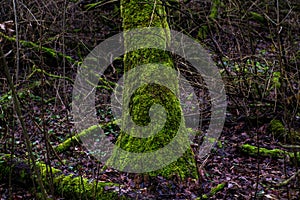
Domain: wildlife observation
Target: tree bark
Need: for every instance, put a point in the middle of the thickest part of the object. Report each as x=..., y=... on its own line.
x=141, y=14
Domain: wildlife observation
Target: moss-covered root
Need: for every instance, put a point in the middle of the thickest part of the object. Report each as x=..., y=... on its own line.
x=73, y=140
x=67, y=186
x=213, y=191
x=64, y=146
x=274, y=153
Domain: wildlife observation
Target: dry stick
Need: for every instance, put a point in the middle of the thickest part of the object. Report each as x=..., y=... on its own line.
x=64, y=51
x=284, y=183
x=14, y=2
x=17, y=39
x=20, y=118
x=11, y=159
x=97, y=180
x=289, y=146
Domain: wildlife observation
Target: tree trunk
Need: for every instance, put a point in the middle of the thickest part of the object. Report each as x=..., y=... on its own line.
x=140, y=14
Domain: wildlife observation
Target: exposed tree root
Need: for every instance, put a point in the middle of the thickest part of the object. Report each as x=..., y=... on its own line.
x=64, y=146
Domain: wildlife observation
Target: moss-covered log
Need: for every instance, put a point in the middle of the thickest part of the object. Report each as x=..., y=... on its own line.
x=67, y=186
x=140, y=14
x=273, y=153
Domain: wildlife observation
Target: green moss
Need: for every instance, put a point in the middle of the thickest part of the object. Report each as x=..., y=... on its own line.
x=203, y=31
x=273, y=153
x=213, y=15
x=217, y=188
x=78, y=187
x=43, y=168
x=75, y=139
x=253, y=150
x=277, y=128
x=281, y=133
x=213, y=191
x=214, y=9
x=220, y=145
x=137, y=14
x=67, y=186
x=257, y=17
x=150, y=13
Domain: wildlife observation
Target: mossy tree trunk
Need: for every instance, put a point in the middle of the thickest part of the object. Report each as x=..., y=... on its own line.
x=141, y=14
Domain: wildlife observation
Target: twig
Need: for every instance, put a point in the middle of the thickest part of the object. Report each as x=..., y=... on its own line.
x=284, y=183
x=289, y=146
x=17, y=40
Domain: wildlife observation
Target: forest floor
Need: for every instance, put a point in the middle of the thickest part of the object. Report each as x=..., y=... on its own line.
x=246, y=177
